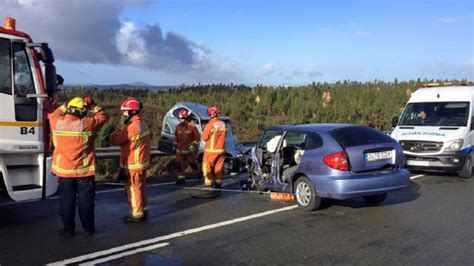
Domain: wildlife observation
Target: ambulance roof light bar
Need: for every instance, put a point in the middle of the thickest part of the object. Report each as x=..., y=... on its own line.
x=445, y=84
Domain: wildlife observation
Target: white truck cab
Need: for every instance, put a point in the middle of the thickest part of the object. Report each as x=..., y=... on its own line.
x=435, y=129
x=28, y=85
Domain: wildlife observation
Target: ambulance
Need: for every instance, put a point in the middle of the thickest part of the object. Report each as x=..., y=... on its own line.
x=28, y=87
x=436, y=127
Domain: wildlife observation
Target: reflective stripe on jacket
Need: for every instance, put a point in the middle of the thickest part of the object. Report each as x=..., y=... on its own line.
x=214, y=135
x=185, y=136
x=73, y=140
x=135, y=144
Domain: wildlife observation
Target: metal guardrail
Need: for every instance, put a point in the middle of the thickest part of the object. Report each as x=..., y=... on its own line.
x=114, y=152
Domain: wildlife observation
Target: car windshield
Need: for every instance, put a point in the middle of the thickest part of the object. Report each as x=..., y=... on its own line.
x=435, y=114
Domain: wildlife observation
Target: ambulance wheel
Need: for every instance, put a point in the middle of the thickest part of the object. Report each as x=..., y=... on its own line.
x=306, y=195
x=466, y=171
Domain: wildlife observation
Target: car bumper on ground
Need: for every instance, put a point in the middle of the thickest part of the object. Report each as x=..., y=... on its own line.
x=448, y=162
x=360, y=184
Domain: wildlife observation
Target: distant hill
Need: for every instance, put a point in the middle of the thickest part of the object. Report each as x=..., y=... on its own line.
x=134, y=85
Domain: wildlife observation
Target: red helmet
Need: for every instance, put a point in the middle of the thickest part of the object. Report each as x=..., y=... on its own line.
x=213, y=111
x=183, y=113
x=131, y=104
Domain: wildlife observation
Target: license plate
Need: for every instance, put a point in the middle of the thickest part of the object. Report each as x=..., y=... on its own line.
x=418, y=163
x=381, y=155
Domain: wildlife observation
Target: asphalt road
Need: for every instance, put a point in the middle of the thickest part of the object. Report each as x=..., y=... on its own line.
x=429, y=222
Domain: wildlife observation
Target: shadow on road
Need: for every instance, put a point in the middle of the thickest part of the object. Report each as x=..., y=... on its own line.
x=407, y=194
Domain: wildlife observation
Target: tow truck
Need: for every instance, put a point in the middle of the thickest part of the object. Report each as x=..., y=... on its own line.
x=28, y=89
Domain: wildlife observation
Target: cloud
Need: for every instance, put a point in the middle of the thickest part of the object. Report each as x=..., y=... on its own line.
x=268, y=69
x=90, y=31
x=314, y=73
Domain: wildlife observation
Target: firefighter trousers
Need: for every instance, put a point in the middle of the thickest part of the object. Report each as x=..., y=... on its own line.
x=213, y=168
x=183, y=160
x=84, y=189
x=136, y=193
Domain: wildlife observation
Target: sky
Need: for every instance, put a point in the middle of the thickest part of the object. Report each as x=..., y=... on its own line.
x=270, y=42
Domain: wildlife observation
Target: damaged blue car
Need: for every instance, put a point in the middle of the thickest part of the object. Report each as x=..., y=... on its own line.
x=315, y=161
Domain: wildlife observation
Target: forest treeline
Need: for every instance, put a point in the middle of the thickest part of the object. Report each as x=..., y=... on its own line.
x=253, y=108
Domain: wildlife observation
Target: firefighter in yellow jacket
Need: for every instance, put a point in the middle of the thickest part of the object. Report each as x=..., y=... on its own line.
x=214, y=135
x=135, y=142
x=73, y=135
x=186, y=142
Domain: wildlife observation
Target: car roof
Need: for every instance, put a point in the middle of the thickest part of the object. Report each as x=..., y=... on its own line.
x=198, y=109
x=310, y=127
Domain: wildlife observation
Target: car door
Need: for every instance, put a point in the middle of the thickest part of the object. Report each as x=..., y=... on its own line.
x=262, y=159
x=167, y=133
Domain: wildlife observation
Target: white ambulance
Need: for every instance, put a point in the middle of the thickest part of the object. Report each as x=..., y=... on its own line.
x=435, y=129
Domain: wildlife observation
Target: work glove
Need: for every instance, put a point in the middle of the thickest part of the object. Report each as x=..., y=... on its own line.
x=89, y=102
x=122, y=176
x=192, y=148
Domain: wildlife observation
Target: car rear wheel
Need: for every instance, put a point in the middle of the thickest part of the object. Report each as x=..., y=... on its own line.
x=375, y=199
x=466, y=171
x=306, y=195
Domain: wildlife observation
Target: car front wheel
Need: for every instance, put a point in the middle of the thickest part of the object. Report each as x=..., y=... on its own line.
x=306, y=195
x=375, y=199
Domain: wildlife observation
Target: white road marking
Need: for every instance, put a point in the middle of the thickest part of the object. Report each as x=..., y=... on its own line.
x=124, y=254
x=416, y=176
x=170, y=236
x=97, y=192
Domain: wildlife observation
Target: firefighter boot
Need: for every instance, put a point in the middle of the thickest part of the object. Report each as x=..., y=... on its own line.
x=131, y=219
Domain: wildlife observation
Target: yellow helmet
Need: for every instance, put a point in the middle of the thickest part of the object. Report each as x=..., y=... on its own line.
x=77, y=103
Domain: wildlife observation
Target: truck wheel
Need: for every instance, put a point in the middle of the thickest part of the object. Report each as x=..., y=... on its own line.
x=375, y=199
x=466, y=171
x=306, y=195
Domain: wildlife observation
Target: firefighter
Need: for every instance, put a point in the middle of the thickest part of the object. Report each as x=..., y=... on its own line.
x=73, y=134
x=214, y=135
x=186, y=142
x=135, y=142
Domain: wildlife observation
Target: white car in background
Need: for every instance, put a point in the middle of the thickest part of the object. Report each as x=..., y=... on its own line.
x=235, y=152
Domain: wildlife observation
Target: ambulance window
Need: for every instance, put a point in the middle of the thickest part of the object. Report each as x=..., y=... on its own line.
x=5, y=67
x=26, y=109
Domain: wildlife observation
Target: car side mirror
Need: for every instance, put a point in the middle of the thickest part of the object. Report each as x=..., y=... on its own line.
x=394, y=121
x=472, y=123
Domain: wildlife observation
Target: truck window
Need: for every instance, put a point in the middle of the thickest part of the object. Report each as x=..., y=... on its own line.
x=25, y=108
x=436, y=114
x=5, y=67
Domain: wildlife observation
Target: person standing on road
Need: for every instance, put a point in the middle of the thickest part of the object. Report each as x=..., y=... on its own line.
x=73, y=134
x=214, y=135
x=135, y=144
x=186, y=142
